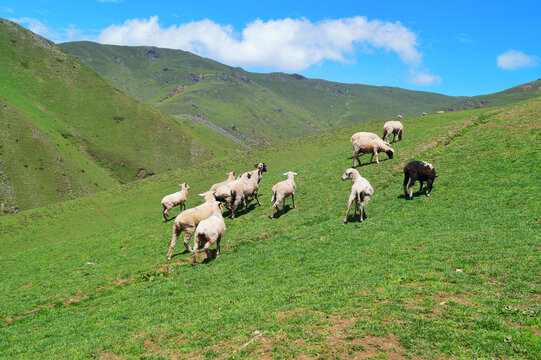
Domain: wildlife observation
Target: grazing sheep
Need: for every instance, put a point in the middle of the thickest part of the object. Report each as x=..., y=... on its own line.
x=418, y=170
x=370, y=146
x=282, y=190
x=392, y=127
x=189, y=219
x=172, y=200
x=399, y=117
x=363, y=135
x=440, y=112
x=209, y=231
x=361, y=191
x=231, y=177
x=424, y=114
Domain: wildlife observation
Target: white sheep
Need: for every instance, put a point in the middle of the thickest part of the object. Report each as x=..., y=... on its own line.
x=424, y=114
x=230, y=178
x=224, y=192
x=370, y=146
x=361, y=191
x=172, y=200
x=241, y=189
x=392, y=127
x=189, y=219
x=364, y=135
x=209, y=231
x=440, y=112
x=399, y=117
x=282, y=190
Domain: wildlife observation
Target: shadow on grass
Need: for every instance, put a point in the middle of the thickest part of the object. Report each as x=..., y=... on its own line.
x=370, y=163
x=355, y=218
x=285, y=210
x=241, y=211
x=415, y=194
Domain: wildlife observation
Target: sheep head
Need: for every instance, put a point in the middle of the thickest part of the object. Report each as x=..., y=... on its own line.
x=350, y=174
x=390, y=153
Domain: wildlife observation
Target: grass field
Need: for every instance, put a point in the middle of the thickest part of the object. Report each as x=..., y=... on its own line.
x=451, y=276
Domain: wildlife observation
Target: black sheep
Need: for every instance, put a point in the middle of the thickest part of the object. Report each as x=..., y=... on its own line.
x=418, y=170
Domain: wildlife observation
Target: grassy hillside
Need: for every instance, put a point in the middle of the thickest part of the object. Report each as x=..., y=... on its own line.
x=65, y=132
x=515, y=94
x=454, y=275
x=256, y=108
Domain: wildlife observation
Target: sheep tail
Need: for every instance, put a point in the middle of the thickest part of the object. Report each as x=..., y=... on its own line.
x=273, y=198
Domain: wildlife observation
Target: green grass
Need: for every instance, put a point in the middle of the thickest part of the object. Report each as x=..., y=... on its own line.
x=386, y=288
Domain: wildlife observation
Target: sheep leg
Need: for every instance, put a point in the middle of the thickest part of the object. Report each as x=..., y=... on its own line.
x=406, y=179
x=257, y=198
x=350, y=201
x=275, y=206
x=176, y=233
x=187, y=237
x=410, y=188
x=428, y=187
x=209, y=243
x=363, y=205
x=421, y=188
x=376, y=153
x=218, y=246
x=195, y=248
x=235, y=205
x=356, y=206
x=293, y=199
x=165, y=214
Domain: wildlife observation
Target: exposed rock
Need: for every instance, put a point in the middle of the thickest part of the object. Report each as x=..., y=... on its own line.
x=242, y=77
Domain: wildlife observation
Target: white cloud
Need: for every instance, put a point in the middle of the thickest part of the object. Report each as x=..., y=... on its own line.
x=284, y=44
x=513, y=59
x=36, y=26
x=423, y=78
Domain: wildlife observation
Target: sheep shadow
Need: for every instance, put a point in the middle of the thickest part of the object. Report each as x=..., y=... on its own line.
x=355, y=218
x=180, y=253
x=241, y=211
x=285, y=209
x=415, y=194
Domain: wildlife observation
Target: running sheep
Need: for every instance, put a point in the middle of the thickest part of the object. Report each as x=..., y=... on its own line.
x=230, y=178
x=282, y=190
x=172, y=200
x=209, y=231
x=188, y=220
x=361, y=192
x=392, y=127
x=370, y=146
x=418, y=170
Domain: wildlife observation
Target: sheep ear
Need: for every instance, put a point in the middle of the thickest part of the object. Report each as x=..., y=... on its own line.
x=294, y=173
x=284, y=174
x=203, y=194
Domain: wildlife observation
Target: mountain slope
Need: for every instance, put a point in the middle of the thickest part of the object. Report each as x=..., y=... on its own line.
x=65, y=132
x=453, y=275
x=509, y=96
x=256, y=108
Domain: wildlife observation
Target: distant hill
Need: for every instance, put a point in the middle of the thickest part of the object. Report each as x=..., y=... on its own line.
x=65, y=132
x=257, y=109
x=515, y=94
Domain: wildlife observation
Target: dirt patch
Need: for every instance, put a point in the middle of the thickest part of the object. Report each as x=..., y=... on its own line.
x=110, y=356
x=123, y=282
x=74, y=300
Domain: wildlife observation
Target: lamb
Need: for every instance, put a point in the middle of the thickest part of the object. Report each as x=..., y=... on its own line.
x=399, y=117
x=189, y=219
x=172, y=200
x=209, y=231
x=361, y=191
x=392, y=127
x=373, y=146
x=282, y=190
x=230, y=178
x=418, y=170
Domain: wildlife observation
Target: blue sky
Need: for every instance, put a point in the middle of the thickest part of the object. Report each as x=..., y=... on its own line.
x=450, y=47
